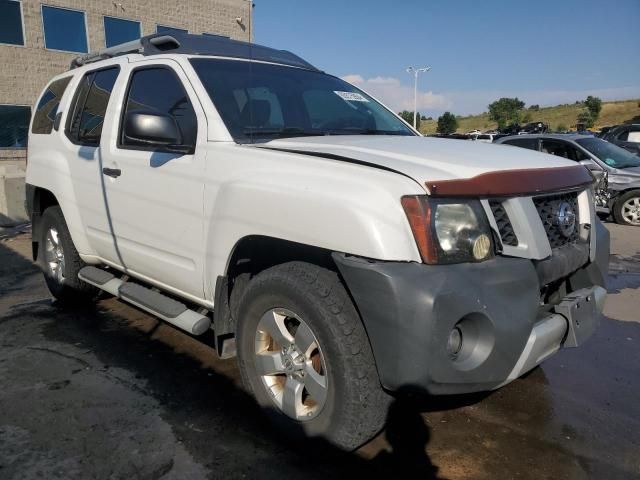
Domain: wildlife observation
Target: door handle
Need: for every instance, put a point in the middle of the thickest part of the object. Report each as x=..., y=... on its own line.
x=112, y=172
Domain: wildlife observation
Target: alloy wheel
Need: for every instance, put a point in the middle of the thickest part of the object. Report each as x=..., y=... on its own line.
x=291, y=364
x=631, y=210
x=54, y=255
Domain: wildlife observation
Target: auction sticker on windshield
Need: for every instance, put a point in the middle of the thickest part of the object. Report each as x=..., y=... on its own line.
x=351, y=96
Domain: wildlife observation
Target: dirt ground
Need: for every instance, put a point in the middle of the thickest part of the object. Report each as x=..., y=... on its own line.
x=111, y=393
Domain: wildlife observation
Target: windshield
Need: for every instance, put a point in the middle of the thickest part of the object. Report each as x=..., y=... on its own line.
x=260, y=102
x=609, y=153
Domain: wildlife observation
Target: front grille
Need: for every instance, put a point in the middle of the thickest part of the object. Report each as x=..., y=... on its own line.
x=548, y=208
x=505, y=228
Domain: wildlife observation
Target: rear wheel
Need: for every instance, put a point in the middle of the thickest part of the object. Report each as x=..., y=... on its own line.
x=626, y=210
x=60, y=261
x=305, y=356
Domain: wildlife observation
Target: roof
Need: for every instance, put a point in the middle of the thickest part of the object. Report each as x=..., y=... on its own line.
x=189, y=44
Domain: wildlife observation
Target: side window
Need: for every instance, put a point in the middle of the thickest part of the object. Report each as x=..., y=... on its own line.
x=530, y=143
x=159, y=90
x=623, y=136
x=633, y=136
x=90, y=106
x=562, y=149
x=47, y=107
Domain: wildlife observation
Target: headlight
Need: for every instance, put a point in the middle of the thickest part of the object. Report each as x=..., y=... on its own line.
x=449, y=230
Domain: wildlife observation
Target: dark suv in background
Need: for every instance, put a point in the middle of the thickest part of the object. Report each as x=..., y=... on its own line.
x=625, y=136
x=617, y=170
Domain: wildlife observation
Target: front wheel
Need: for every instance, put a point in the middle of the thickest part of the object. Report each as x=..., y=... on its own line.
x=305, y=356
x=626, y=210
x=60, y=261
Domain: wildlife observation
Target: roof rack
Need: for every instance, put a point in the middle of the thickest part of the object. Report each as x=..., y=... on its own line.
x=186, y=43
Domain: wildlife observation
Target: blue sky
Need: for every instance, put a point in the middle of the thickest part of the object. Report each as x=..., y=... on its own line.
x=543, y=51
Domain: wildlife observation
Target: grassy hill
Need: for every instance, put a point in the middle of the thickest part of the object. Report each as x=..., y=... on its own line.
x=612, y=113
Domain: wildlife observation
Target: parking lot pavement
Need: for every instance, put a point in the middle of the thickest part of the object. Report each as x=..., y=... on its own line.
x=112, y=393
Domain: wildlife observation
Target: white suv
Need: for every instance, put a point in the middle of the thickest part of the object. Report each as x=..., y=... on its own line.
x=234, y=188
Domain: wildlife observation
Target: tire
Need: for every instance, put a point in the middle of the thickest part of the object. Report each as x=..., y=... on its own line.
x=56, y=247
x=354, y=406
x=626, y=210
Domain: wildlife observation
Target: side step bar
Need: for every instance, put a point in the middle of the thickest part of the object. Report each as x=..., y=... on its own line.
x=161, y=306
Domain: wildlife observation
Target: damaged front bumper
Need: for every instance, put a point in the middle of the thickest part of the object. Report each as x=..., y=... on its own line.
x=410, y=312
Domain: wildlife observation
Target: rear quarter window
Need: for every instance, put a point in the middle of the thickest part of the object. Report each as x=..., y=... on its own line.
x=47, y=107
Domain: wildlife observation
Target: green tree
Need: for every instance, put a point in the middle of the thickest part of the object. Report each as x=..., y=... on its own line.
x=408, y=117
x=586, y=119
x=534, y=107
x=594, y=105
x=447, y=123
x=506, y=111
x=561, y=128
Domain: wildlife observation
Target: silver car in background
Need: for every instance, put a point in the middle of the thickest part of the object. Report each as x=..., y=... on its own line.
x=618, y=170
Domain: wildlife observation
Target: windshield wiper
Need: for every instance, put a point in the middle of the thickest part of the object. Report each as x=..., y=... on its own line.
x=367, y=131
x=282, y=132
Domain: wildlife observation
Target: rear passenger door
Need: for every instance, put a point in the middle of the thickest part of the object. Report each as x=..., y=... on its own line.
x=83, y=142
x=155, y=196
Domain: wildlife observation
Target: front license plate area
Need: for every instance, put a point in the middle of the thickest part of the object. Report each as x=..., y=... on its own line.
x=581, y=312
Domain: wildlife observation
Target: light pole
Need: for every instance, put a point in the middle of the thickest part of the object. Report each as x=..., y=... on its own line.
x=416, y=72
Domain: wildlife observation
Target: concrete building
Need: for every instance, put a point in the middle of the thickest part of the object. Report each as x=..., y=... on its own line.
x=39, y=38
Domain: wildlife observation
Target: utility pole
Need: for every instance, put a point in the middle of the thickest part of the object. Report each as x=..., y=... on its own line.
x=416, y=72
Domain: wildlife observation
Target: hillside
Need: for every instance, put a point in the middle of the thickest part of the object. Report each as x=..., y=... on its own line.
x=612, y=113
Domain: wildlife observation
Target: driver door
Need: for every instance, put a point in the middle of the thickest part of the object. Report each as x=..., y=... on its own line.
x=154, y=195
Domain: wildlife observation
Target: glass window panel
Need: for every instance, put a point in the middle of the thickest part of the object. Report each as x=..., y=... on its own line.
x=48, y=106
x=159, y=90
x=64, y=29
x=119, y=30
x=91, y=101
x=170, y=30
x=11, y=23
x=14, y=126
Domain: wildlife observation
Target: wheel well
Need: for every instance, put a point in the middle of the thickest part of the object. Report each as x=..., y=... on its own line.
x=250, y=256
x=256, y=253
x=40, y=201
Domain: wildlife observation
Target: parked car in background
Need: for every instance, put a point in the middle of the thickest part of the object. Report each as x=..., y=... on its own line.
x=625, y=136
x=617, y=170
x=483, y=137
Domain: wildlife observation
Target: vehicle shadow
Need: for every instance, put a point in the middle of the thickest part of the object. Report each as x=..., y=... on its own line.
x=199, y=396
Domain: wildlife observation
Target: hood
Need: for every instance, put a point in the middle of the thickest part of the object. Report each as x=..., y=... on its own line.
x=631, y=171
x=421, y=158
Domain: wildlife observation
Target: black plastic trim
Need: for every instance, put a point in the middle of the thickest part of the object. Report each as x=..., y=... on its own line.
x=340, y=158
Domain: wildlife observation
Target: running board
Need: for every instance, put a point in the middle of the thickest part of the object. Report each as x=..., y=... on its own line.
x=155, y=303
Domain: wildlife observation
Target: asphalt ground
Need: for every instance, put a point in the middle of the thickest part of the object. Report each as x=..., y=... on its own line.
x=111, y=393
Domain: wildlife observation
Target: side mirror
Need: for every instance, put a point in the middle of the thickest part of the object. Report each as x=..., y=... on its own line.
x=591, y=165
x=154, y=130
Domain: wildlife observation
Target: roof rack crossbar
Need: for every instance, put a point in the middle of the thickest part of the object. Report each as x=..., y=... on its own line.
x=194, y=45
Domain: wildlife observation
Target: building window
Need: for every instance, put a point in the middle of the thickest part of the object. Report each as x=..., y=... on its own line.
x=170, y=30
x=14, y=126
x=11, y=29
x=119, y=30
x=64, y=29
x=47, y=108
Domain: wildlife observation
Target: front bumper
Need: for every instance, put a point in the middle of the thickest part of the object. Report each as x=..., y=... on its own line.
x=409, y=310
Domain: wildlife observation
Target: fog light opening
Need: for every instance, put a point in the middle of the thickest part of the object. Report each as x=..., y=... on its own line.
x=481, y=247
x=454, y=343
